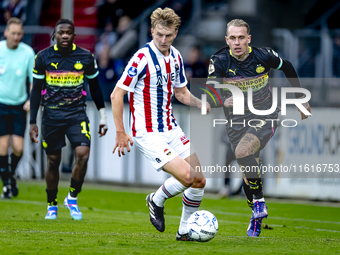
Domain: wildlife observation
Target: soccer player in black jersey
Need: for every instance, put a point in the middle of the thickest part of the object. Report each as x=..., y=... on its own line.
x=58, y=83
x=246, y=67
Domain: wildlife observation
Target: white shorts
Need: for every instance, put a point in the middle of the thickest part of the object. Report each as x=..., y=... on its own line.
x=160, y=148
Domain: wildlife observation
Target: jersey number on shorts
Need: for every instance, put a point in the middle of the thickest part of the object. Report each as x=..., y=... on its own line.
x=85, y=131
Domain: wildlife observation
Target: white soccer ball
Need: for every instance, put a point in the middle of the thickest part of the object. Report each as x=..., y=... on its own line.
x=202, y=226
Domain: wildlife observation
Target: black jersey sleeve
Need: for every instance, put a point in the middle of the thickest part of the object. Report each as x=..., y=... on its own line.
x=96, y=93
x=271, y=58
x=91, y=69
x=38, y=82
x=215, y=76
x=38, y=66
x=274, y=61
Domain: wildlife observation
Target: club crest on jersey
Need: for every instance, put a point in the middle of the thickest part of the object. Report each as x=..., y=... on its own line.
x=132, y=71
x=167, y=152
x=260, y=69
x=78, y=65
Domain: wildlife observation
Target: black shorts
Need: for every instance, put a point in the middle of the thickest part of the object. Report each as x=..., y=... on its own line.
x=262, y=130
x=54, y=136
x=12, y=120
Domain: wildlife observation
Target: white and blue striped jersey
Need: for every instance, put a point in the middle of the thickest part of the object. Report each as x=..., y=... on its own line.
x=150, y=78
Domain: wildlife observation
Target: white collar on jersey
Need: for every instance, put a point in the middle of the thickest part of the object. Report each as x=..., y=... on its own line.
x=158, y=53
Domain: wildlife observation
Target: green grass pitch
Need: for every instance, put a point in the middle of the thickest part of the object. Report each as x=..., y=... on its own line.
x=116, y=221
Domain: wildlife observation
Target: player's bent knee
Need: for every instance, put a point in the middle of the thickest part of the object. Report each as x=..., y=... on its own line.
x=188, y=180
x=82, y=155
x=241, y=152
x=199, y=183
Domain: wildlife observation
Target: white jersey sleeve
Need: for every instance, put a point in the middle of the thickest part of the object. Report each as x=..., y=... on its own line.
x=133, y=72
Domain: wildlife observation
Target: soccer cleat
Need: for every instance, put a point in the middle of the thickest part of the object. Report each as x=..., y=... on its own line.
x=72, y=205
x=260, y=210
x=254, y=228
x=184, y=237
x=52, y=212
x=14, y=186
x=156, y=213
x=6, y=192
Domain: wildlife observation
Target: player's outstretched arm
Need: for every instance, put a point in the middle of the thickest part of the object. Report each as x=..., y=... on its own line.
x=122, y=138
x=185, y=97
x=98, y=99
x=291, y=75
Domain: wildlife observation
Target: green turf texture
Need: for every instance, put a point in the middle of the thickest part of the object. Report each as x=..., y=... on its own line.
x=116, y=221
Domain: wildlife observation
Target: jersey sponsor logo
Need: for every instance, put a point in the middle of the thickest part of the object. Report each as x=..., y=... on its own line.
x=78, y=65
x=64, y=79
x=260, y=69
x=158, y=68
x=55, y=65
x=256, y=83
x=233, y=71
x=132, y=71
x=158, y=160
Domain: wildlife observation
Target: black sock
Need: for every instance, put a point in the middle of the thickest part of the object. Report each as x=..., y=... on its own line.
x=14, y=162
x=4, y=170
x=75, y=187
x=52, y=196
x=253, y=174
x=249, y=194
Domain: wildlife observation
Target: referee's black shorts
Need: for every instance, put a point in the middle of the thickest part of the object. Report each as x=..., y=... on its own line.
x=12, y=120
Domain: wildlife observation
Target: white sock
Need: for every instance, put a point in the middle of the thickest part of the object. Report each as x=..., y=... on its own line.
x=259, y=200
x=72, y=198
x=170, y=188
x=192, y=198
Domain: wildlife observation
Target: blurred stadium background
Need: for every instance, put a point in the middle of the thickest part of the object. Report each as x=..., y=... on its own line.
x=306, y=32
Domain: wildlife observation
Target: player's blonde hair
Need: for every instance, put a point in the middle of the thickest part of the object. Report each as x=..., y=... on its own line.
x=166, y=18
x=13, y=20
x=238, y=23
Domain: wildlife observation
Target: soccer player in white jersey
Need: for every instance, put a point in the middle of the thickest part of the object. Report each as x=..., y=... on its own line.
x=152, y=76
